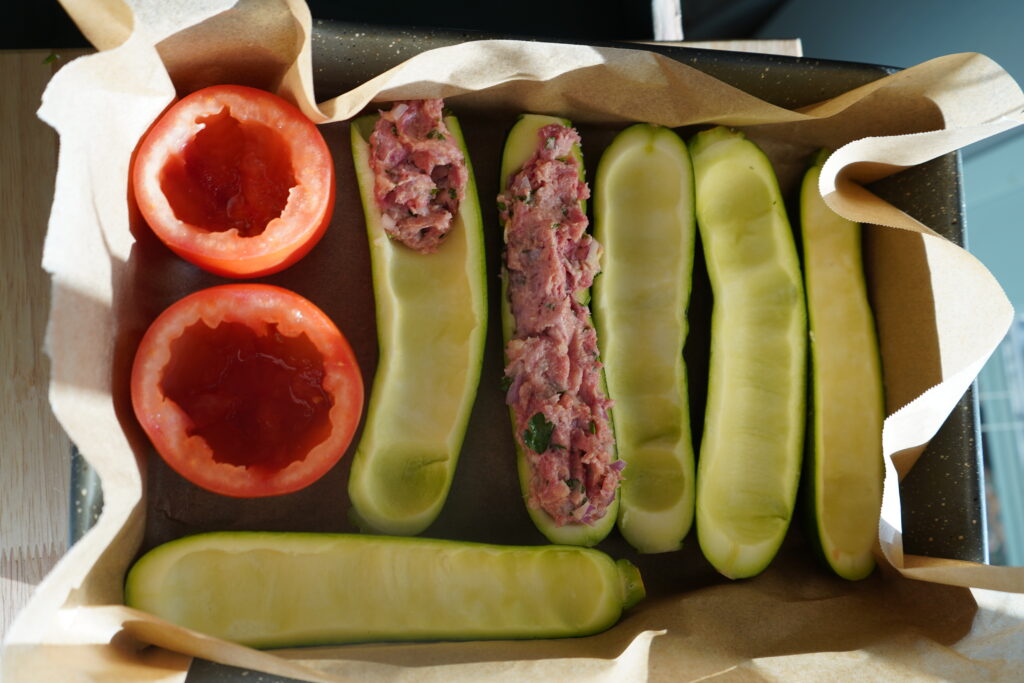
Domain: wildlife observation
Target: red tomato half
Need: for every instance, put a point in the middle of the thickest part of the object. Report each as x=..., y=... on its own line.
x=247, y=390
x=235, y=180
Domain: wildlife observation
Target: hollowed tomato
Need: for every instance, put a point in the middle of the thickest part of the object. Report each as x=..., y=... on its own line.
x=235, y=180
x=247, y=390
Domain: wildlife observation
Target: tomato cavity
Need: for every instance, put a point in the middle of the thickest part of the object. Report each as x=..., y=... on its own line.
x=232, y=175
x=256, y=399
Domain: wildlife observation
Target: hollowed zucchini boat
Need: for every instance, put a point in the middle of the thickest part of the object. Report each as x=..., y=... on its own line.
x=643, y=215
x=751, y=451
x=282, y=589
x=844, y=457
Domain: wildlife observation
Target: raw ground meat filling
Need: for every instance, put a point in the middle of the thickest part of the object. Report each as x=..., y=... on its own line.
x=561, y=412
x=419, y=173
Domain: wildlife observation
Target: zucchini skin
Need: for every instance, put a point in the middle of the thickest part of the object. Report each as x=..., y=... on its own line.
x=431, y=328
x=644, y=217
x=519, y=146
x=844, y=470
x=751, y=453
x=283, y=589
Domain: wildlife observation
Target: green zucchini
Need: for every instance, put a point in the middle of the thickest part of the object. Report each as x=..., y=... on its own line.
x=750, y=454
x=282, y=589
x=844, y=477
x=519, y=147
x=643, y=215
x=431, y=323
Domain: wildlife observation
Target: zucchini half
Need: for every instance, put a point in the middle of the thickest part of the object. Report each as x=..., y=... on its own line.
x=431, y=324
x=845, y=468
x=750, y=455
x=283, y=589
x=643, y=215
x=519, y=147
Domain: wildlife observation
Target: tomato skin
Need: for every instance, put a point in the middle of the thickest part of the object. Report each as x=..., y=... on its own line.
x=267, y=311
x=283, y=134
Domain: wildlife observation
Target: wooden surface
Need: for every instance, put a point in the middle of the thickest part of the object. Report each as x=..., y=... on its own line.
x=34, y=451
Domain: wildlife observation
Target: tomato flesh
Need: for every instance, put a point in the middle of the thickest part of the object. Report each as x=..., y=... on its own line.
x=256, y=399
x=232, y=175
x=235, y=180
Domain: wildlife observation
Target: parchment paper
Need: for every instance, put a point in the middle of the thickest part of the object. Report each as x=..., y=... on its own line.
x=111, y=278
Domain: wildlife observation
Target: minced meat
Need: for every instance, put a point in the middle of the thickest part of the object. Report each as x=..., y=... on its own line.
x=559, y=406
x=419, y=173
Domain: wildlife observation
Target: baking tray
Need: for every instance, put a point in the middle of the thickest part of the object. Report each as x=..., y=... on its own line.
x=943, y=495
x=943, y=505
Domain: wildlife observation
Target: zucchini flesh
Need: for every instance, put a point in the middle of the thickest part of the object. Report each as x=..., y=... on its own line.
x=519, y=148
x=431, y=323
x=643, y=215
x=845, y=434
x=282, y=589
x=750, y=454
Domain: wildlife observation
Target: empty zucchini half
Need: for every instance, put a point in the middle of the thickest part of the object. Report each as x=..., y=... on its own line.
x=431, y=323
x=844, y=458
x=751, y=451
x=643, y=215
x=283, y=589
x=520, y=147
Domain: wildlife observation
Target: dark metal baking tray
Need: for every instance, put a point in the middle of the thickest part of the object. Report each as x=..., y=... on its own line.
x=943, y=501
x=943, y=505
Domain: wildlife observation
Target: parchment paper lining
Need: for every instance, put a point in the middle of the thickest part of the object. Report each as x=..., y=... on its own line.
x=105, y=293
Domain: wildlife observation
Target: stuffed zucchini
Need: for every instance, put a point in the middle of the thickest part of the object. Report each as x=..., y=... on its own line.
x=568, y=469
x=430, y=291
